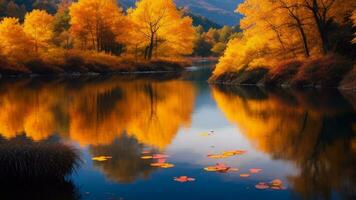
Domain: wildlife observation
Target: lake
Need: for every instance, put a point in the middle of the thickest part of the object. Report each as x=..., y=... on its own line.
x=260, y=143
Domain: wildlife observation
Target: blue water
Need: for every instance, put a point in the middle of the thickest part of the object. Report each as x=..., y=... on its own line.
x=304, y=138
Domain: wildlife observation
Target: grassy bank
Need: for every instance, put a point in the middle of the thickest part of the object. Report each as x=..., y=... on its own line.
x=59, y=62
x=326, y=72
x=23, y=160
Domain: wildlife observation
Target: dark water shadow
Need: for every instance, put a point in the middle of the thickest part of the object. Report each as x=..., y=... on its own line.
x=37, y=170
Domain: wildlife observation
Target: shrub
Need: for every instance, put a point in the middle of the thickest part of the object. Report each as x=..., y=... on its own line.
x=8, y=68
x=326, y=71
x=282, y=73
x=25, y=160
x=38, y=66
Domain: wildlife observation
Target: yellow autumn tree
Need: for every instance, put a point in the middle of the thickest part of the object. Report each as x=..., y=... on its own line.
x=278, y=30
x=38, y=26
x=14, y=42
x=159, y=29
x=97, y=24
x=265, y=38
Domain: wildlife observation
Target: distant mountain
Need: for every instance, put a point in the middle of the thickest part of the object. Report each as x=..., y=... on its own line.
x=219, y=11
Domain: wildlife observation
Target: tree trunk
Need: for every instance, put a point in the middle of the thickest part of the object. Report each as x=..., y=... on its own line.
x=150, y=48
x=304, y=40
x=323, y=33
x=321, y=21
x=146, y=53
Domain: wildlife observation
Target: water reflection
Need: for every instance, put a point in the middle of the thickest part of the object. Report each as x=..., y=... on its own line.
x=312, y=129
x=96, y=112
x=126, y=164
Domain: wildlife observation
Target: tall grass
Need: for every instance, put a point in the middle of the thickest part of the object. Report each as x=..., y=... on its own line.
x=25, y=160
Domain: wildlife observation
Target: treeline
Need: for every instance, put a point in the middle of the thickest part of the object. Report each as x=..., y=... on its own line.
x=213, y=42
x=19, y=8
x=282, y=30
x=153, y=29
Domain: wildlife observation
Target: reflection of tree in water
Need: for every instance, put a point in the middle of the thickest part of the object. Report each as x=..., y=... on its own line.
x=96, y=111
x=313, y=129
x=126, y=164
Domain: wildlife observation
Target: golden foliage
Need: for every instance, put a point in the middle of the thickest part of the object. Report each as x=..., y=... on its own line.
x=280, y=30
x=96, y=23
x=38, y=26
x=159, y=29
x=15, y=44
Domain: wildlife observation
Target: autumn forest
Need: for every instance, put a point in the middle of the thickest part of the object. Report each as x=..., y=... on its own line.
x=278, y=42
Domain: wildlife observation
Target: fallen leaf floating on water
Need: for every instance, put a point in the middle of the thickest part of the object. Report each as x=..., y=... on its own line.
x=227, y=154
x=238, y=152
x=101, y=158
x=216, y=156
x=255, y=170
x=262, y=186
x=220, y=167
x=245, y=175
x=162, y=164
x=159, y=156
x=146, y=157
x=183, y=179
x=276, y=184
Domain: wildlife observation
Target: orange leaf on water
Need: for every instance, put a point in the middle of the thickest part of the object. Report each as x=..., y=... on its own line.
x=245, y=175
x=101, y=158
x=262, y=186
x=255, y=170
x=184, y=179
x=220, y=167
x=167, y=165
x=276, y=183
x=146, y=157
x=160, y=156
x=162, y=165
x=216, y=156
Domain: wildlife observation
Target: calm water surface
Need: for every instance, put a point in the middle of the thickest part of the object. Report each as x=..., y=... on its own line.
x=307, y=139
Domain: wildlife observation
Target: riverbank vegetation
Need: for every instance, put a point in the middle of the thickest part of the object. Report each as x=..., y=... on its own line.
x=291, y=43
x=24, y=160
x=95, y=36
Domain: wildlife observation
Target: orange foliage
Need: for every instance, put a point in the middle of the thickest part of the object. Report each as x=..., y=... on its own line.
x=159, y=29
x=95, y=24
x=38, y=26
x=15, y=44
x=274, y=31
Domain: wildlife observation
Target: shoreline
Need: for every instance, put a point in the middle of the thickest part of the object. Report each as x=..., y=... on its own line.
x=324, y=72
x=232, y=83
x=40, y=68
